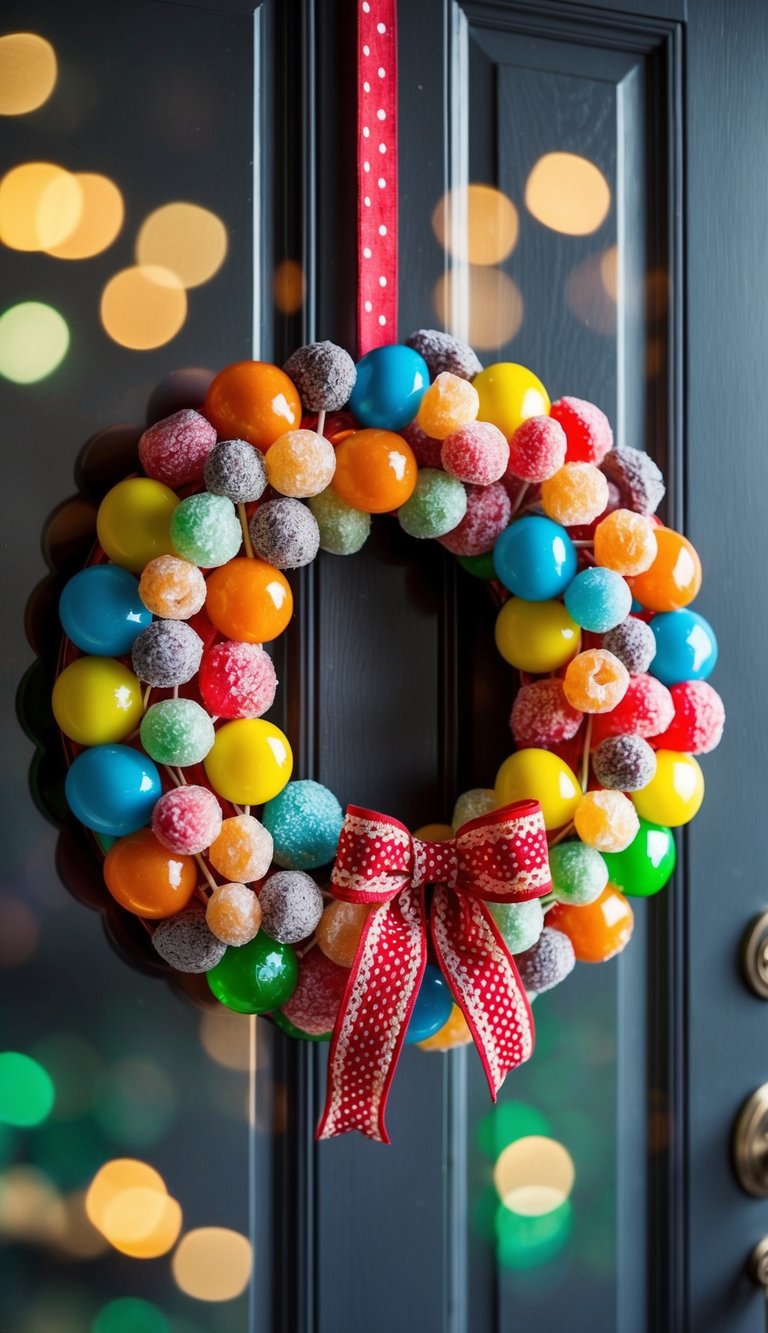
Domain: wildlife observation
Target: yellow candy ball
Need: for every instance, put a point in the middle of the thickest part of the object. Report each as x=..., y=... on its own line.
x=452, y=1034
x=536, y=636
x=537, y=775
x=509, y=394
x=134, y=522
x=674, y=793
x=250, y=762
x=97, y=701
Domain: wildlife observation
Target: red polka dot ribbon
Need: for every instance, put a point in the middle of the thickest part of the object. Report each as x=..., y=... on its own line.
x=376, y=173
x=501, y=857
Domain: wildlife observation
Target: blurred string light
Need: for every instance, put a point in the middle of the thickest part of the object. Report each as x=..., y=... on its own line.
x=484, y=306
x=128, y=1202
x=40, y=206
x=288, y=286
x=505, y=1123
x=99, y=222
x=213, y=1264
x=567, y=193
x=34, y=339
x=129, y=1314
x=188, y=240
x=31, y=1207
x=534, y=1175
x=476, y=224
x=529, y=1242
x=28, y=72
x=143, y=307
x=27, y=1093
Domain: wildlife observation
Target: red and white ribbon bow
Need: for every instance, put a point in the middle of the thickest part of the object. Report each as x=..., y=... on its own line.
x=500, y=857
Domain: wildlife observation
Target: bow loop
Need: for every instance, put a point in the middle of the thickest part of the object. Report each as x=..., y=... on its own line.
x=503, y=857
x=374, y=861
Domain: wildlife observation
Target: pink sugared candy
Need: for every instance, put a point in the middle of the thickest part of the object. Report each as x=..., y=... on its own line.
x=542, y=716
x=587, y=429
x=237, y=680
x=187, y=820
x=426, y=450
x=489, y=510
x=646, y=710
x=477, y=454
x=577, y=493
x=536, y=449
x=697, y=725
x=174, y=450
x=315, y=1002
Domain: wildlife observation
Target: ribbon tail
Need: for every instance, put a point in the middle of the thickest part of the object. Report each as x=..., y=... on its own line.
x=373, y=1017
x=485, y=982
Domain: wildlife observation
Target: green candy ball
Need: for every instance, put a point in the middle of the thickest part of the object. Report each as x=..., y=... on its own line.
x=205, y=530
x=255, y=978
x=481, y=566
x=343, y=530
x=437, y=506
x=520, y=923
x=647, y=864
x=177, y=732
x=579, y=873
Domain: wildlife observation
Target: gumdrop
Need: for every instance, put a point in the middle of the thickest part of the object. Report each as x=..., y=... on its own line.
x=172, y=588
x=639, y=482
x=187, y=820
x=339, y=931
x=437, y=506
x=237, y=680
x=449, y=403
x=646, y=709
x=177, y=732
x=598, y=599
x=243, y=849
x=536, y=450
x=291, y=904
x=488, y=513
x=205, y=530
x=624, y=763
x=324, y=375
x=699, y=718
x=305, y=821
x=236, y=470
x=234, y=914
x=587, y=429
x=343, y=530
x=547, y=963
x=477, y=454
x=186, y=942
x=174, y=450
x=633, y=642
x=606, y=820
x=315, y=1002
x=625, y=542
x=576, y=494
x=579, y=873
x=542, y=716
x=166, y=653
x=301, y=463
x=285, y=533
x=595, y=681
x=442, y=352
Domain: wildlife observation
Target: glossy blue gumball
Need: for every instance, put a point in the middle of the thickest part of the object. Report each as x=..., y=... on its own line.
x=535, y=558
x=686, y=647
x=101, y=611
x=112, y=789
x=432, y=1008
x=389, y=387
x=598, y=599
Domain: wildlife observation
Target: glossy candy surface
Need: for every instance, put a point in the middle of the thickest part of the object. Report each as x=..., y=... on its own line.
x=597, y=930
x=256, y=977
x=97, y=700
x=375, y=471
x=538, y=775
x=391, y=382
x=536, y=636
x=249, y=600
x=112, y=789
x=253, y=401
x=101, y=611
x=686, y=647
x=250, y=761
x=134, y=522
x=433, y=1006
x=675, y=792
x=147, y=879
x=647, y=864
x=509, y=394
x=535, y=559
x=674, y=578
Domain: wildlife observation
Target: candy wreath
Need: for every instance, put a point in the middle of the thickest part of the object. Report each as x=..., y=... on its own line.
x=163, y=678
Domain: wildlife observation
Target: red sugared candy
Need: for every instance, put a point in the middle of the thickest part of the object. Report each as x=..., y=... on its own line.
x=477, y=454
x=489, y=510
x=646, y=710
x=187, y=820
x=587, y=429
x=315, y=1002
x=542, y=716
x=536, y=449
x=174, y=450
x=237, y=680
x=697, y=725
x=426, y=451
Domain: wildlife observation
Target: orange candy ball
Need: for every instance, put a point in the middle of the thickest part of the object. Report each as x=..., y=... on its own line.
x=452, y=1034
x=249, y=600
x=243, y=849
x=606, y=820
x=625, y=542
x=339, y=930
x=448, y=404
x=674, y=578
x=233, y=914
x=375, y=471
x=254, y=401
x=595, y=681
x=301, y=463
x=575, y=494
x=147, y=879
x=598, y=930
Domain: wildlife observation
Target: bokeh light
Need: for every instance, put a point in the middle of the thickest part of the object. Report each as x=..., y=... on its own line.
x=58, y=1308
x=27, y=1093
x=589, y=296
x=143, y=307
x=188, y=240
x=609, y=271
x=34, y=339
x=113, y=1179
x=27, y=72
x=477, y=224
x=40, y=206
x=75, y=1066
x=31, y=1207
x=568, y=193
x=534, y=1175
x=20, y=933
x=79, y=1239
x=142, y=1223
x=505, y=1123
x=225, y=1037
x=135, y=1103
x=288, y=286
x=129, y=1314
x=482, y=305
x=529, y=1242
x=101, y=216
x=213, y=1264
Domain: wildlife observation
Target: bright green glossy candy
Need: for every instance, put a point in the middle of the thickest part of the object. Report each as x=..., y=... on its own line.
x=481, y=566
x=647, y=863
x=255, y=978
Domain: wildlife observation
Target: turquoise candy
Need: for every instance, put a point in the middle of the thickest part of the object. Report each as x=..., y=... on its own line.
x=598, y=599
x=437, y=506
x=177, y=732
x=579, y=873
x=305, y=822
x=520, y=924
x=205, y=530
x=343, y=530
x=256, y=977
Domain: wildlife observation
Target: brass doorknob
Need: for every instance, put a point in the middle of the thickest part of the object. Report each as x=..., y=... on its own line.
x=750, y=1144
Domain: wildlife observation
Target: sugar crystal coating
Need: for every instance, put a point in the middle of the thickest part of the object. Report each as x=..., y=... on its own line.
x=343, y=530
x=177, y=732
x=426, y=450
x=234, y=914
x=243, y=849
x=633, y=642
x=186, y=943
x=437, y=505
x=472, y=804
x=301, y=463
x=172, y=588
x=536, y=449
x=477, y=453
x=639, y=482
x=187, y=820
x=305, y=821
x=205, y=529
x=598, y=599
x=315, y=1002
x=587, y=429
x=626, y=542
x=624, y=763
x=174, y=450
x=575, y=494
x=236, y=470
x=166, y=653
x=237, y=680
x=489, y=510
x=324, y=375
x=606, y=820
x=449, y=403
x=699, y=718
x=285, y=533
x=541, y=714
x=548, y=962
x=442, y=351
x=646, y=709
x=579, y=873
x=520, y=924
x=595, y=681
x=291, y=904
x=339, y=930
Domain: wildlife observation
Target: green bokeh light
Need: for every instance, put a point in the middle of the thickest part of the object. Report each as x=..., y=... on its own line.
x=530, y=1242
x=135, y=1103
x=507, y=1122
x=34, y=339
x=129, y=1314
x=75, y=1067
x=27, y=1093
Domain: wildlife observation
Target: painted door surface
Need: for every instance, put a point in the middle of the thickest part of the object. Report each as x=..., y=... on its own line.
x=641, y=287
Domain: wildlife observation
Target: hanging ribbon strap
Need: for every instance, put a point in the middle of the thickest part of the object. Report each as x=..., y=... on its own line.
x=376, y=173
x=501, y=857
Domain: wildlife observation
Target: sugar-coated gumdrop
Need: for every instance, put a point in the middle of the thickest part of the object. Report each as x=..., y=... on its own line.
x=548, y=962
x=520, y=924
x=243, y=849
x=375, y=471
x=645, y=709
x=237, y=680
x=536, y=450
x=575, y=494
x=324, y=375
x=536, y=636
x=174, y=450
x=234, y=914
x=177, y=732
x=535, y=558
x=449, y=403
x=674, y=578
x=597, y=930
x=172, y=588
x=187, y=819
x=538, y=775
x=96, y=701
x=697, y=726
x=426, y=450
x=442, y=351
x=339, y=931
x=205, y=530
x=147, y=879
x=595, y=681
x=315, y=1002
x=472, y=804
x=587, y=429
x=432, y=1008
x=343, y=530
x=579, y=873
x=112, y=789
x=542, y=716
x=253, y=401
x=437, y=506
x=133, y=523
x=236, y=470
x=249, y=600
x=390, y=384
x=675, y=792
x=625, y=541
x=624, y=763
x=186, y=943
x=305, y=821
x=101, y=611
x=291, y=904
x=509, y=394
x=487, y=515
x=633, y=642
x=638, y=480
x=644, y=867
x=598, y=599
x=285, y=533
x=477, y=454
x=250, y=761
x=300, y=463
x=686, y=647
x=606, y=820
x=166, y=653
x=452, y=1034
x=256, y=977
